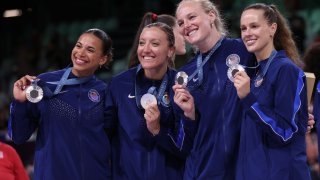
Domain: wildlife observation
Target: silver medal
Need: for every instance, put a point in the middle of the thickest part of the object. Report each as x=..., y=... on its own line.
x=181, y=78
x=34, y=93
x=232, y=60
x=233, y=70
x=148, y=99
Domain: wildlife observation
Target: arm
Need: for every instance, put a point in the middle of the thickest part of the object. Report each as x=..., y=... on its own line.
x=110, y=113
x=18, y=168
x=23, y=114
x=289, y=107
x=177, y=137
x=316, y=113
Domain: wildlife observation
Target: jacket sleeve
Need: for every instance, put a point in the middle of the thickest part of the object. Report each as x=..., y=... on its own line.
x=110, y=113
x=288, y=110
x=316, y=113
x=23, y=121
x=178, y=138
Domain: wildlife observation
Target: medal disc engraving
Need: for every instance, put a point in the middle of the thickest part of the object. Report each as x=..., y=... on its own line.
x=233, y=70
x=34, y=94
x=232, y=60
x=181, y=78
x=148, y=99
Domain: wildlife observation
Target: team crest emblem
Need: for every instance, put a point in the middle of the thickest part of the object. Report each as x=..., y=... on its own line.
x=258, y=81
x=165, y=100
x=93, y=95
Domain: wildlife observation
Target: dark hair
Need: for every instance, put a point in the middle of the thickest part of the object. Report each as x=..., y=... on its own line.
x=149, y=18
x=106, y=41
x=312, y=62
x=283, y=36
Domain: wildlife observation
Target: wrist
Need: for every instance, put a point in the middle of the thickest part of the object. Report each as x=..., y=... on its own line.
x=155, y=131
x=190, y=114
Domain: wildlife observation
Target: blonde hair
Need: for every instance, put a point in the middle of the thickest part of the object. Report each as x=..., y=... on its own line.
x=208, y=6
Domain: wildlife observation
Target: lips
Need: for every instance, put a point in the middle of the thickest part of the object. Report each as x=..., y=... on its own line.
x=190, y=33
x=250, y=42
x=80, y=61
x=147, y=58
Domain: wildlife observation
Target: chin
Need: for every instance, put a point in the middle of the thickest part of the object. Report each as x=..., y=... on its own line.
x=250, y=49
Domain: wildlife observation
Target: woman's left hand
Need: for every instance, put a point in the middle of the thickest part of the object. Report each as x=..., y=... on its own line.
x=311, y=122
x=152, y=116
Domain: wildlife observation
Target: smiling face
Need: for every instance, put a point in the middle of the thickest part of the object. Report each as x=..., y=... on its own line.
x=195, y=24
x=87, y=55
x=256, y=33
x=154, y=52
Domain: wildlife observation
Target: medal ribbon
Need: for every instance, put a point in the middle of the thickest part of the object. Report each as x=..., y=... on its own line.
x=251, y=67
x=201, y=63
x=65, y=81
x=152, y=90
x=34, y=82
x=271, y=57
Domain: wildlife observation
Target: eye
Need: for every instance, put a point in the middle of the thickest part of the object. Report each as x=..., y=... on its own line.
x=141, y=43
x=78, y=45
x=254, y=26
x=192, y=17
x=155, y=44
x=180, y=23
x=91, y=50
x=242, y=29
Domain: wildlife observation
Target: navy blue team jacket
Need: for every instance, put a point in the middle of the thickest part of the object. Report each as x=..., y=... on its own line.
x=215, y=149
x=71, y=139
x=316, y=113
x=136, y=153
x=274, y=124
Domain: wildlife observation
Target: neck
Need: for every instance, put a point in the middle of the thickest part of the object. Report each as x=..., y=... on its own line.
x=81, y=74
x=210, y=42
x=265, y=53
x=155, y=74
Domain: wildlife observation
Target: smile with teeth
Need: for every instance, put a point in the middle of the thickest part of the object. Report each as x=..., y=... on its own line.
x=191, y=32
x=80, y=61
x=250, y=41
x=147, y=57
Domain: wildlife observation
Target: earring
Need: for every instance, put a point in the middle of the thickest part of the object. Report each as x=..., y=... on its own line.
x=211, y=24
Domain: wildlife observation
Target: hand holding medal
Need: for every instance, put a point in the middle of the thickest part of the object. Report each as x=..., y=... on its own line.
x=34, y=93
x=147, y=100
x=19, y=88
x=233, y=62
x=181, y=79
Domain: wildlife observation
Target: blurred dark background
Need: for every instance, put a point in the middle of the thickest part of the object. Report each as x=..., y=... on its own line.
x=41, y=39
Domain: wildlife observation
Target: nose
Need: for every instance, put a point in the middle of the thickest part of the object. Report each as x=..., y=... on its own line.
x=146, y=47
x=246, y=32
x=187, y=24
x=81, y=51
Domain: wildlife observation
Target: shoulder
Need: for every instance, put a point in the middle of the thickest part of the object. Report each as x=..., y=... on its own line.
x=283, y=62
x=128, y=74
x=52, y=75
x=235, y=42
x=7, y=148
x=126, y=77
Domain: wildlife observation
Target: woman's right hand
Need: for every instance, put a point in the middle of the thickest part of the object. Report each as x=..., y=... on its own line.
x=242, y=84
x=20, y=86
x=184, y=100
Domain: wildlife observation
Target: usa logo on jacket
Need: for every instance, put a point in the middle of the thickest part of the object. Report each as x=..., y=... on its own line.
x=93, y=95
